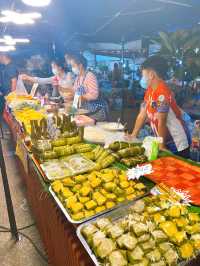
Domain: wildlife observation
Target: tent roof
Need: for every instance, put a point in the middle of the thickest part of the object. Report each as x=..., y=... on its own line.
x=72, y=21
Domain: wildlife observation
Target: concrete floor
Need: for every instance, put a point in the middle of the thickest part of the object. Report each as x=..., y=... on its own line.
x=21, y=253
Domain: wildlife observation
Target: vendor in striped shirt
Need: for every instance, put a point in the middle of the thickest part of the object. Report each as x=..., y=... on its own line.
x=87, y=89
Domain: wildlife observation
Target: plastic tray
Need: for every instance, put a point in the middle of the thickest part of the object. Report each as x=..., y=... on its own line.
x=66, y=164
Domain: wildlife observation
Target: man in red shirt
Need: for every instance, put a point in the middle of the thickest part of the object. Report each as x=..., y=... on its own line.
x=161, y=109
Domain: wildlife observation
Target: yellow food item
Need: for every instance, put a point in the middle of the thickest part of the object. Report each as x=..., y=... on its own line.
x=158, y=218
x=103, y=192
x=80, y=178
x=131, y=197
x=95, y=182
x=169, y=228
x=57, y=186
x=78, y=216
x=101, y=200
x=192, y=229
x=85, y=190
x=111, y=196
x=110, y=204
x=66, y=193
x=129, y=190
x=68, y=182
x=84, y=199
x=107, y=177
x=181, y=222
x=100, y=209
x=196, y=244
x=90, y=205
x=139, y=186
x=120, y=199
x=71, y=201
x=186, y=251
x=174, y=211
x=89, y=213
x=123, y=177
x=194, y=217
x=124, y=184
x=180, y=236
x=110, y=186
x=77, y=207
x=76, y=188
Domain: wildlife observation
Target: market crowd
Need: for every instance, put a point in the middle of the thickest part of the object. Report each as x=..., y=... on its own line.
x=77, y=86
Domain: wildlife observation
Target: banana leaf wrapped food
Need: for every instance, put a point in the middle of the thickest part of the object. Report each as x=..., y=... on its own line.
x=89, y=155
x=105, y=248
x=119, y=145
x=127, y=241
x=82, y=147
x=110, y=159
x=134, y=161
x=131, y=152
x=116, y=258
x=59, y=142
x=73, y=140
x=136, y=255
x=64, y=150
x=47, y=155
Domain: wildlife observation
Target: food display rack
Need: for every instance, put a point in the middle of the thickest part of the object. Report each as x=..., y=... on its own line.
x=58, y=235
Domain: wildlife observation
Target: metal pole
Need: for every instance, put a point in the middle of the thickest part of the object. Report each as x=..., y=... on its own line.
x=11, y=215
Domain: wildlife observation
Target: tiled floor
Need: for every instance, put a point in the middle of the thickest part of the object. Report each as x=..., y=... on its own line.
x=21, y=253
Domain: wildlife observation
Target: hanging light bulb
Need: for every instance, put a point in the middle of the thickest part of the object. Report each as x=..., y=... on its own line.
x=37, y=3
x=7, y=48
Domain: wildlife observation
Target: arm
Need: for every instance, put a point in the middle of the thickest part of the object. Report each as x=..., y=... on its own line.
x=139, y=122
x=13, y=84
x=91, y=86
x=162, y=128
x=41, y=81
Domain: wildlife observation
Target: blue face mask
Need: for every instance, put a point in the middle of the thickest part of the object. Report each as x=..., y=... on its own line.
x=144, y=83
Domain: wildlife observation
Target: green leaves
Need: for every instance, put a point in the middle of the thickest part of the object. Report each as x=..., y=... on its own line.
x=181, y=46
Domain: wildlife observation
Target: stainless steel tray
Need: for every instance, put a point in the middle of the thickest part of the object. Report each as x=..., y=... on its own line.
x=114, y=216
x=67, y=213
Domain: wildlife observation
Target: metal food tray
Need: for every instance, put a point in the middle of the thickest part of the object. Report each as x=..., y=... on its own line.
x=67, y=213
x=114, y=215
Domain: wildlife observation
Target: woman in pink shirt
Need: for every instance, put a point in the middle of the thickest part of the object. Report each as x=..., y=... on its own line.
x=86, y=89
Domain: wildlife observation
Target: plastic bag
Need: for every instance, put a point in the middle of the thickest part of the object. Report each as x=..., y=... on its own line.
x=151, y=145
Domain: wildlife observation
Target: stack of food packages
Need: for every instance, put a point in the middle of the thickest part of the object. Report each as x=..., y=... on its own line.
x=155, y=231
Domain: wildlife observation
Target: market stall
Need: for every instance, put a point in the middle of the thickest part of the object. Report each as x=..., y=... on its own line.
x=70, y=181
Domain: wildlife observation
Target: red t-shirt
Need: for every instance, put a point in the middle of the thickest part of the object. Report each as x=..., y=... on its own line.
x=161, y=100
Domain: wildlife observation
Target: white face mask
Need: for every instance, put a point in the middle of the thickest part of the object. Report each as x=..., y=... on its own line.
x=55, y=71
x=76, y=71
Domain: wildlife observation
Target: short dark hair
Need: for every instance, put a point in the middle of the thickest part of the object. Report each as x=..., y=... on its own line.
x=79, y=60
x=157, y=64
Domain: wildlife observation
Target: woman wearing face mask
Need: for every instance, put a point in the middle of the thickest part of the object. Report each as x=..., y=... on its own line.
x=161, y=109
x=61, y=81
x=86, y=89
